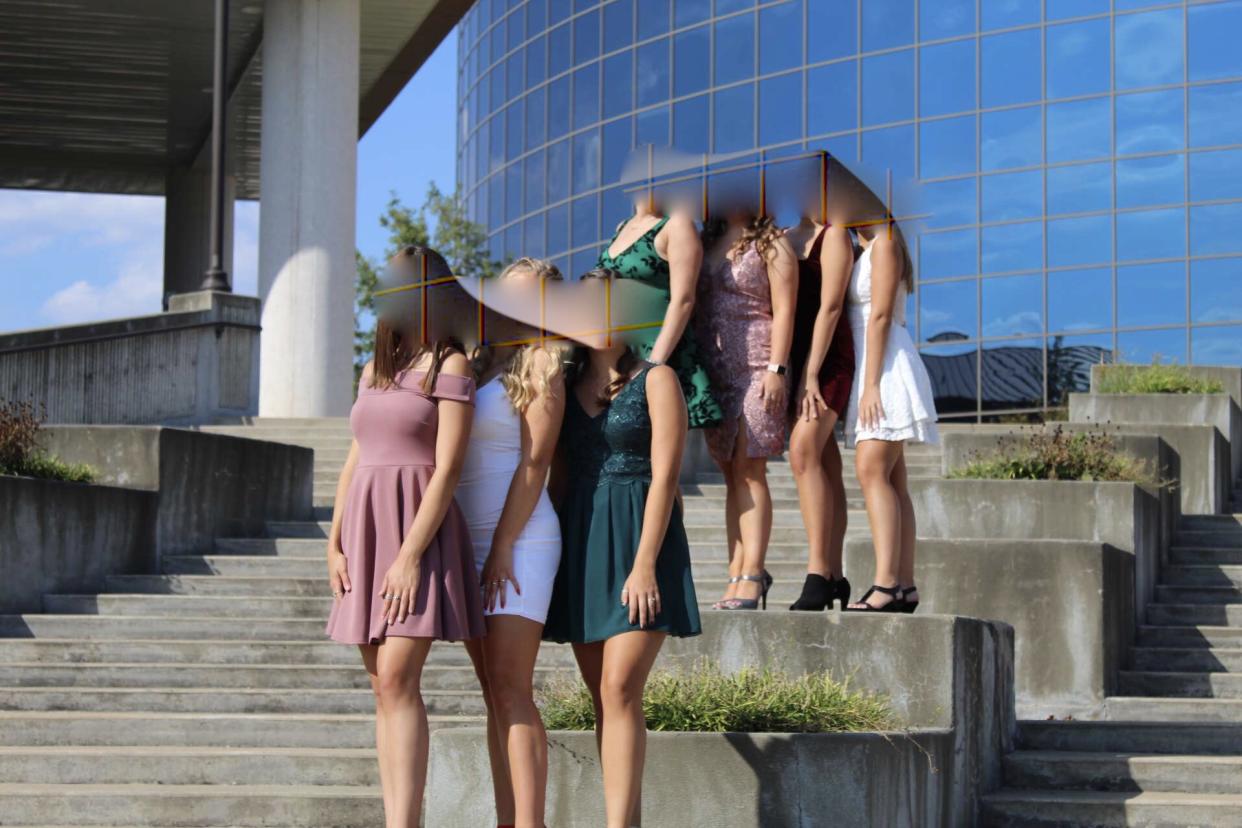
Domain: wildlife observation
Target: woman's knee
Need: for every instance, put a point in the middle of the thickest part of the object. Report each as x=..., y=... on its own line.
x=396, y=688
x=620, y=691
x=871, y=468
x=803, y=457
x=510, y=693
x=749, y=471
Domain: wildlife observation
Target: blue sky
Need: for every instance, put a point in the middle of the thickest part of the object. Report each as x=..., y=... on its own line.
x=78, y=257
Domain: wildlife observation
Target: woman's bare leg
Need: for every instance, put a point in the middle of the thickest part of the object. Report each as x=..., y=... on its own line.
x=840, y=514
x=627, y=661
x=754, y=501
x=399, y=670
x=502, y=790
x=807, y=448
x=874, y=460
x=901, y=485
x=512, y=645
x=733, y=537
x=370, y=658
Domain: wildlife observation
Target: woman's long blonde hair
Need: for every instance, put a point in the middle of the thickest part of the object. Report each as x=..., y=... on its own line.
x=761, y=231
x=521, y=381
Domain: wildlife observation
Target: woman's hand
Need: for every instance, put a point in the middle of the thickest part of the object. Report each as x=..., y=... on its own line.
x=498, y=571
x=870, y=411
x=811, y=402
x=338, y=573
x=641, y=595
x=399, y=588
x=773, y=392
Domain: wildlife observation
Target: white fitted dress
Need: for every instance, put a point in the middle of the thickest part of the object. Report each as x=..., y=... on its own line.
x=905, y=389
x=492, y=457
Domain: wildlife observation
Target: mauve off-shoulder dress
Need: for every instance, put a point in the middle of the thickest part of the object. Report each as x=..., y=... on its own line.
x=396, y=433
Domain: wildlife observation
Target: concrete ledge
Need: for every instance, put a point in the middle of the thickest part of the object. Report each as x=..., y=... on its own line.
x=1228, y=376
x=950, y=679
x=197, y=362
x=762, y=780
x=1070, y=603
x=68, y=537
x=1219, y=410
x=206, y=485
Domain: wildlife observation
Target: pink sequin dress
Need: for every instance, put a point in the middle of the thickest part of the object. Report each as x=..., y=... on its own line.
x=733, y=315
x=396, y=433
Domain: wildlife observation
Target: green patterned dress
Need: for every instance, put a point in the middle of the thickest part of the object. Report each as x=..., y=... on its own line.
x=641, y=261
x=608, y=459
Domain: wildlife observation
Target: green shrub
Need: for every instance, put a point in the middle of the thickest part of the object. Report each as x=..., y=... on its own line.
x=1058, y=456
x=707, y=700
x=19, y=448
x=1155, y=379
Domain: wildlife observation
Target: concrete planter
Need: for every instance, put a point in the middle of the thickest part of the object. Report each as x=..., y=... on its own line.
x=949, y=679
x=68, y=537
x=1228, y=376
x=762, y=780
x=206, y=485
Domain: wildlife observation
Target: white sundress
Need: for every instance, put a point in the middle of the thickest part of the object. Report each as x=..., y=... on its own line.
x=905, y=388
x=492, y=456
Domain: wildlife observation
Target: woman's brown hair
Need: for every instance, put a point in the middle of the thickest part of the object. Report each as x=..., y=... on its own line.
x=625, y=362
x=394, y=352
x=761, y=231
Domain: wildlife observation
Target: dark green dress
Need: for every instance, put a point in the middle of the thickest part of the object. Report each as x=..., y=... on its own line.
x=641, y=261
x=608, y=458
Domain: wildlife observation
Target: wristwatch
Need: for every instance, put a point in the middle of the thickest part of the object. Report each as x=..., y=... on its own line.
x=777, y=369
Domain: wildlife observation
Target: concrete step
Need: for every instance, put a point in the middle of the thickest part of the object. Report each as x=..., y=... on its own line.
x=1189, y=636
x=315, y=585
x=240, y=730
x=1171, y=684
x=211, y=700
x=1104, y=809
x=342, y=806
x=1210, y=522
x=249, y=566
x=201, y=606
x=1141, y=709
x=45, y=625
x=1188, y=659
x=1213, y=575
x=300, y=546
x=1208, y=537
x=1196, y=614
x=1220, y=555
x=192, y=676
x=175, y=765
x=1198, y=594
x=1069, y=770
x=1199, y=738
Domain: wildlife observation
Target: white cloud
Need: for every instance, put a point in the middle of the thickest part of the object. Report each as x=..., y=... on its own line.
x=246, y=248
x=136, y=290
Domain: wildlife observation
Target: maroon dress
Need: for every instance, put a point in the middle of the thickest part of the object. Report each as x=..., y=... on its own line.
x=836, y=374
x=396, y=433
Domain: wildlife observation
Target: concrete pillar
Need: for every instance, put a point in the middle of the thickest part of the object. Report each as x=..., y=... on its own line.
x=306, y=225
x=187, y=227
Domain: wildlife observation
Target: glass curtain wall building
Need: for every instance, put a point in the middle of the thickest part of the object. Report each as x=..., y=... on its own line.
x=1080, y=160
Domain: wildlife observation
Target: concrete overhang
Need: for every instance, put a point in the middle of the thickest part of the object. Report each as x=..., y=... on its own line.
x=108, y=95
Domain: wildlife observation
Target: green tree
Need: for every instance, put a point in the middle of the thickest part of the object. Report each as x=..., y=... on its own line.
x=462, y=242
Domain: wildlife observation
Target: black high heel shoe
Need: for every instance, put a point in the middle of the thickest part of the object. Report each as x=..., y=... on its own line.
x=895, y=605
x=751, y=603
x=908, y=606
x=819, y=593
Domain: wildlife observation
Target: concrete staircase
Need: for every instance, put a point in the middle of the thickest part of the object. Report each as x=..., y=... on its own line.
x=1169, y=751
x=207, y=694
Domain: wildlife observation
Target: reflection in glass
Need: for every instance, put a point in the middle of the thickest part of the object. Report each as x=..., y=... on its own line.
x=689, y=12
x=618, y=84
x=559, y=54
x=532, y=237
x=1012, y=374
x=1145, y=347
x=558, y=171
x=832, y=30
x=953, y=370
x=1077, y=60
x=1148, y=48
x=1009, y=66
x=618, y=24
x=615, y=149
x=652, y=18
x=558, y=107
x=1009, y=247
x=1078, y=130
x=950, y=203
x=558, y=229
x=887, y=23
x=887, y=150
x=586, y=95
x=1151, y=234
x=1216, y=228
x=1213, y=35
x=946, y=18
x=586, y=37
x=832, y=97
x=1080, y=241
x=532, y=171
x=947, y=147
x=1080, y=300
x=615, y=207
x=1013, y=195
x=1069, y=363
x=734, y=121
x=690, y=125
x=1216, y=175
x=844, y=147
x=1214, y=293
x=780, y=36
x=652, y=72
x=942, y=255
x=585, y=221
x=651, y=127
x=586, y=160
x=1150, y=122
x=513, y=130
x=1151, y=180
x=1081, y=188
x=536, y=61
x=1217, y=345
x=691, y=61
x=1011, y=138
x=513, y=75
x=536, y=118
x=947, y=78
x=1001, y=14
x=513, y=191
x=735, y=48
x=583, y=261
x=1214, y=114
x=1151, y=294
x=888, y=88
x=780, y=108
x=948, y=310
x=1012, y=305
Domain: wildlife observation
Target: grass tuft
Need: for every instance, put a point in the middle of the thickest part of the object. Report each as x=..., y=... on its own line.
x=19, y=448
x=1155, y=379
x=706, y=700
x=1058, y=455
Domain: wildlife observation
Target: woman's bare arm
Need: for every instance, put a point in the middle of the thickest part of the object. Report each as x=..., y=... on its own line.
x=684, y=253
x=886, y=264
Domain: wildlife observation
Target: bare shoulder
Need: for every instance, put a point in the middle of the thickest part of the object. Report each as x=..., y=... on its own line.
x=456, y=363
x=781, y=250
x=368, y=371
x=661, y=381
